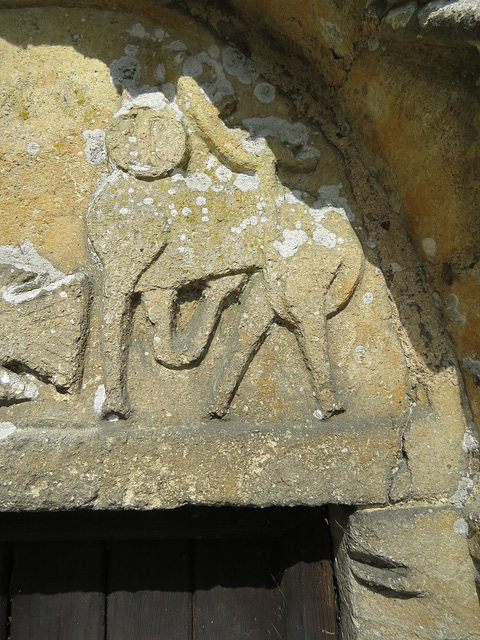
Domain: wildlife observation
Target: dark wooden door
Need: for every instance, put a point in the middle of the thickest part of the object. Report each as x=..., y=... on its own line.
x=201, y=575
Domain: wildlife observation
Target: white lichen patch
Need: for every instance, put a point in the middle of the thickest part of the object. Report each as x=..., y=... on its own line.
x=160, y=73
x=264, y=92
x=223, y=173
x=126, y=71
x=460, y=526
x=16, y=387
x=252, y=221
x=138, y=31
x=131, y=50
x=470, y=441
x=33, y=148
x=332, y=34
x=175, y=45
x=216, y=86
x=472, y=366
x=451, y=303
x=198, y=181
x=237, y=65
x=211, y=162
x=465, y=486
x=247, y=182
x=253, y=145
x=326, y=238
x=6, y=429
x=368, y=298
x=286, y=132
x=153, y=99
x=25, y=258
x=293, y=240
x=95, y=150
x=329, y=198
x=99, y=398
x=429, y=247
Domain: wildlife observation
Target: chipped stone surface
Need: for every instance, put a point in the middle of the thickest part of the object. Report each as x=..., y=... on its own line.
x=44, y=319
x=405, y=572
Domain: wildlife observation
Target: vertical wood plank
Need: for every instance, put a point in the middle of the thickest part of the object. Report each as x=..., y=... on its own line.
x=58, y=591
x=149, y=590
x=308, y=583
x=5, y=567
x=236, y=592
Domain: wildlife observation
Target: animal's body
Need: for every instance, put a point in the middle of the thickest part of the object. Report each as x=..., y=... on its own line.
x=219, y=227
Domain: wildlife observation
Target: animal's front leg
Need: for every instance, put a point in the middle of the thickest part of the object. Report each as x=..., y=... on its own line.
x=117, y=312
x=256, y=317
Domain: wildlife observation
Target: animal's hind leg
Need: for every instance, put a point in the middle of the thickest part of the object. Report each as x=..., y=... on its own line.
x=255, y=318
x=311, y=333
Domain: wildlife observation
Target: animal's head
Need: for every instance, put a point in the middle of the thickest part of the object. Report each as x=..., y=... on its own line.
x=147, y=137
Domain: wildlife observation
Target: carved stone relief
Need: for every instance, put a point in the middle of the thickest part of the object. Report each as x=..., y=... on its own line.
x=195, y=308
x=412, y=567
x=227, y=262
x=158, y=229
x=212, y=271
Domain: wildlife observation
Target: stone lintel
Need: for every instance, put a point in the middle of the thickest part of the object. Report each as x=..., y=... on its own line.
x=119, y=467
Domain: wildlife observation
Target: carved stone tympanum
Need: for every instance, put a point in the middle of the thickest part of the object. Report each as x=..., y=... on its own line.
x=231, y=276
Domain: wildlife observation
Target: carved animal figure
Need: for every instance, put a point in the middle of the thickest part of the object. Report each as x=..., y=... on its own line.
x=192, y=201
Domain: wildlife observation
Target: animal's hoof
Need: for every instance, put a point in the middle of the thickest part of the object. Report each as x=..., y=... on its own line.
x=326, y=412
x=214, y=410
x=112, y=412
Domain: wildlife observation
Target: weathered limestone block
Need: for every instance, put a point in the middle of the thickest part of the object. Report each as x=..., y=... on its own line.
x=44, y=320
x=406, y=573
x=112, y=466
x=237, y=308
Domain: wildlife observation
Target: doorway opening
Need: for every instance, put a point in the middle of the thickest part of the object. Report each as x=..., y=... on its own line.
x=187, y=574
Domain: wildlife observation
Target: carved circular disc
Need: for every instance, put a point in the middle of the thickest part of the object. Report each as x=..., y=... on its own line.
x=148, y=143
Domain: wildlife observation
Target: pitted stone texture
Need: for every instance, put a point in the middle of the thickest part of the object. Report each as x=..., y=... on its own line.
x=406, y=573
x=113, y=467
x=187, y=239
x=264, y=194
